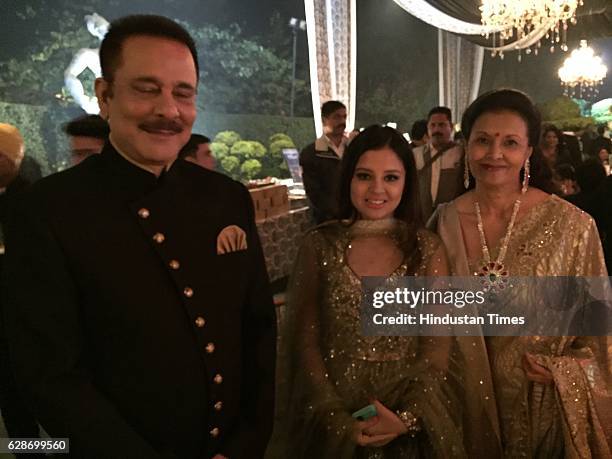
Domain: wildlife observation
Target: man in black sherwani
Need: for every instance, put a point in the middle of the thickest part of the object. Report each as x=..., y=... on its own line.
x=139, y=317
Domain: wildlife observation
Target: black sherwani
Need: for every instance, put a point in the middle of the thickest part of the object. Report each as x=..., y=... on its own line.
x=130, y=334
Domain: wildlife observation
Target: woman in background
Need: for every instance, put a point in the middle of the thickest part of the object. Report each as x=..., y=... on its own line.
x=552, y=147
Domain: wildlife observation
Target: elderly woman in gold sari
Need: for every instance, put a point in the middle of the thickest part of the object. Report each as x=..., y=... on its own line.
x=550, y=391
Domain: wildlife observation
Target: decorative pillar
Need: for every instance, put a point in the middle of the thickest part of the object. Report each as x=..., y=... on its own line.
x=332, y=47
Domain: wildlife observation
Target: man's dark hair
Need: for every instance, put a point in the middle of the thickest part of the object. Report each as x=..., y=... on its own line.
x=418, y=129
x=330, y=107
x=590, y=174
x=88, y=126
x=566, y=171
x=137, y=25
x=191, y=146
x=601, y=129
x=443, y=111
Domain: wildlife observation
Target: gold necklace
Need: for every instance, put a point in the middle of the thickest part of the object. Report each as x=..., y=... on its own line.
x=494, y=274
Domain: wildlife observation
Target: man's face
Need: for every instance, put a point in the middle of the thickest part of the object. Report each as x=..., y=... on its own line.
x=335, y=123
x=8, y=170
x=150, y=105
x=439, y=130
x=203, y=157
x=81, y=147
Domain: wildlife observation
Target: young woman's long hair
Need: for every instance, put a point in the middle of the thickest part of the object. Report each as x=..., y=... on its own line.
x=408, y=210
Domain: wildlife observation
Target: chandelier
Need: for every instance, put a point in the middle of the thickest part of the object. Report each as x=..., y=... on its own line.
x=527, y=21
x=582, y=70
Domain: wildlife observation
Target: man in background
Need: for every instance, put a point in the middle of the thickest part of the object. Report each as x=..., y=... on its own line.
x=87, y=135
x=16, y=414
x=418, y=133
x=439, y=163
x=320, y=162
x=197, y=151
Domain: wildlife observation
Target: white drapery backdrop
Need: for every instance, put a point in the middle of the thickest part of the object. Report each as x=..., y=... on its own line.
x=459, y=72
x=332, y=48
x=332, y=45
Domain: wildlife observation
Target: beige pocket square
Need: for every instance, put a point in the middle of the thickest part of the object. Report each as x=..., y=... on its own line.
x=231, y=239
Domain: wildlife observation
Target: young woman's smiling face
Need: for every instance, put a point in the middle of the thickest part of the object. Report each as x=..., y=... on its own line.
x=377, y=184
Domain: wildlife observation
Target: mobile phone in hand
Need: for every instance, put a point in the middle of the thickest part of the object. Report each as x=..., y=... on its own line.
x=365, y=413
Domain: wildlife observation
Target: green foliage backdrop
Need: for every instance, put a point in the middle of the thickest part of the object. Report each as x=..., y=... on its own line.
x=28, y=119
x=239, y=76
x=564, y=113
x=257, y=127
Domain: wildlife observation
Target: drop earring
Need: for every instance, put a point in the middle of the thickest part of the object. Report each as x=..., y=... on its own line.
x=466, y=172
x=525, y=177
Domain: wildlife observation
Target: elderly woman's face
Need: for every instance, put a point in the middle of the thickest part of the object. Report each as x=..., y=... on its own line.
x=497, y=148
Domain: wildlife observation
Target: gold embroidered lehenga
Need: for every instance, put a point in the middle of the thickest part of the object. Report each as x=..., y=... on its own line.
x=572, y=417
x=330, y=370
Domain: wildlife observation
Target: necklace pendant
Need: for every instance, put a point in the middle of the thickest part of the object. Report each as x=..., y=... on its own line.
x=494, y=276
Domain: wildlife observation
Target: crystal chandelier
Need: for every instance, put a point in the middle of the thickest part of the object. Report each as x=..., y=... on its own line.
x=528, y=21
x=582, y=70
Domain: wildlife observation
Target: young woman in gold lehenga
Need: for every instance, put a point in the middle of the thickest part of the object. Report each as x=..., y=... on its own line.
x=552, y=392
x=331, y=369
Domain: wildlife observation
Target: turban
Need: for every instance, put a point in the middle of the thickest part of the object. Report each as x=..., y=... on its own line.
x=11, y=143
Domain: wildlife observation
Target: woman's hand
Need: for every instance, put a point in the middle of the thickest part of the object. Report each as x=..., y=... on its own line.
x=373, y=440
x=388, y=422
x=536, y=372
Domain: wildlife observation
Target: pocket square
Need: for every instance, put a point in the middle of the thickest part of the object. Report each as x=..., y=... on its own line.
x=231, y=239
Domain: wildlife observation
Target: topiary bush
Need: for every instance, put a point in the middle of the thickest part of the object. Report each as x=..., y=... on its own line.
x=257, y=151
x=241, y=150
x=277, y=137
x=250, y=168
x=230, y=164
x=219, y=150
x=228, y=138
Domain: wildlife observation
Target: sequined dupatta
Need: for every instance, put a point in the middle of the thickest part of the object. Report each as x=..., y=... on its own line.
x=330, y=370
x=570, y=418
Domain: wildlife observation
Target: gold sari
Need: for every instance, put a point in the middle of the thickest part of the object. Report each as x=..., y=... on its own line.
x=572, y=417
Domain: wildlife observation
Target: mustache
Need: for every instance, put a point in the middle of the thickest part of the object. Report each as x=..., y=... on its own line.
x=162, y=125
x=437, y=134
x=343, y=126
